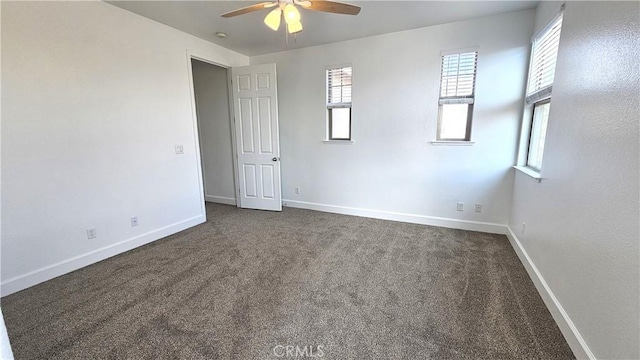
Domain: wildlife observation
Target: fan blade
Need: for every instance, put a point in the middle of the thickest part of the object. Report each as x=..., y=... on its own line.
x=334, y=7
x=248, y=9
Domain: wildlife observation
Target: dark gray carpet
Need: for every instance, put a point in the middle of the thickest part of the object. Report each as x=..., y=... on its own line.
x=248, y=282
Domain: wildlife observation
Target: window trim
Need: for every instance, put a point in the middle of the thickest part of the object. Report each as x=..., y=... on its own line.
x=467, y=134
x=330, y=122
x=546, y=100
x=530, y=173
x=450, y=100
x=531, y=100
x=330, y=106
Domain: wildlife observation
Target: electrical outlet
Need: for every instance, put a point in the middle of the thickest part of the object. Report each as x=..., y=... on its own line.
x=297, y=190
x=179, y=149
x=134, y=221
x=460, y=206
x=478, y=207
x=524, y=226
x=91, y=233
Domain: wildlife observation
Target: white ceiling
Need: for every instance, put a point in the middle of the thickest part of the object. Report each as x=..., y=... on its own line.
x=247, y=34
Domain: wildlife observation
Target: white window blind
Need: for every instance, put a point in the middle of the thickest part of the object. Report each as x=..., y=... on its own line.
x=543, y=62
x=339, y=87
x=458, y=78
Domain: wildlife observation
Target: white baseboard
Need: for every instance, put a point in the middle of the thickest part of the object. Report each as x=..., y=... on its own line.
x=220, y=199
x=35, y=277
x=394, y=216
x=569, y=330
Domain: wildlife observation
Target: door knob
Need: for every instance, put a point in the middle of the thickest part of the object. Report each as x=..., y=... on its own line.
x=274, y=159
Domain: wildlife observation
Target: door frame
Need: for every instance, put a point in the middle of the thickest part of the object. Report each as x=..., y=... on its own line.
x=191, y=55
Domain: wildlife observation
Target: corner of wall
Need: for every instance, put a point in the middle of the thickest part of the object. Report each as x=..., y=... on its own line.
x=567, y=327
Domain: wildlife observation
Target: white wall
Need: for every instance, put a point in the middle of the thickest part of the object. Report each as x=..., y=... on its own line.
x=212, y=98
x=391, y=167
x=582, y=220
x=5, y=346
x=94, y=100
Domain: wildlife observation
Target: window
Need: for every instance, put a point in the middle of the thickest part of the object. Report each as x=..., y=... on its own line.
x=339, y=103
x=457, y=86
x=540, y=84
x=538, y=131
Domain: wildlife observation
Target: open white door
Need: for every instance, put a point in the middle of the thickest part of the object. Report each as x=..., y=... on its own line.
x=255, y=104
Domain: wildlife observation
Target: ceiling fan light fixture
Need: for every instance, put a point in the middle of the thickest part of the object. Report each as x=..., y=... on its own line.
x=272, y=20
x=291, y=14
x=294, y=27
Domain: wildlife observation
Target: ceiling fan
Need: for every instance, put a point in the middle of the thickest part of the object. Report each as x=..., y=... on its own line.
x=288, y=10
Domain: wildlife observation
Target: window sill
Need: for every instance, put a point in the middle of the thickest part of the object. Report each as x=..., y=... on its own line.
x=452, y=143
x=343, y=142
x=529, y=172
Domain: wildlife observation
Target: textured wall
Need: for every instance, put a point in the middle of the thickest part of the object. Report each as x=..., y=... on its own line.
x=582, y=219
